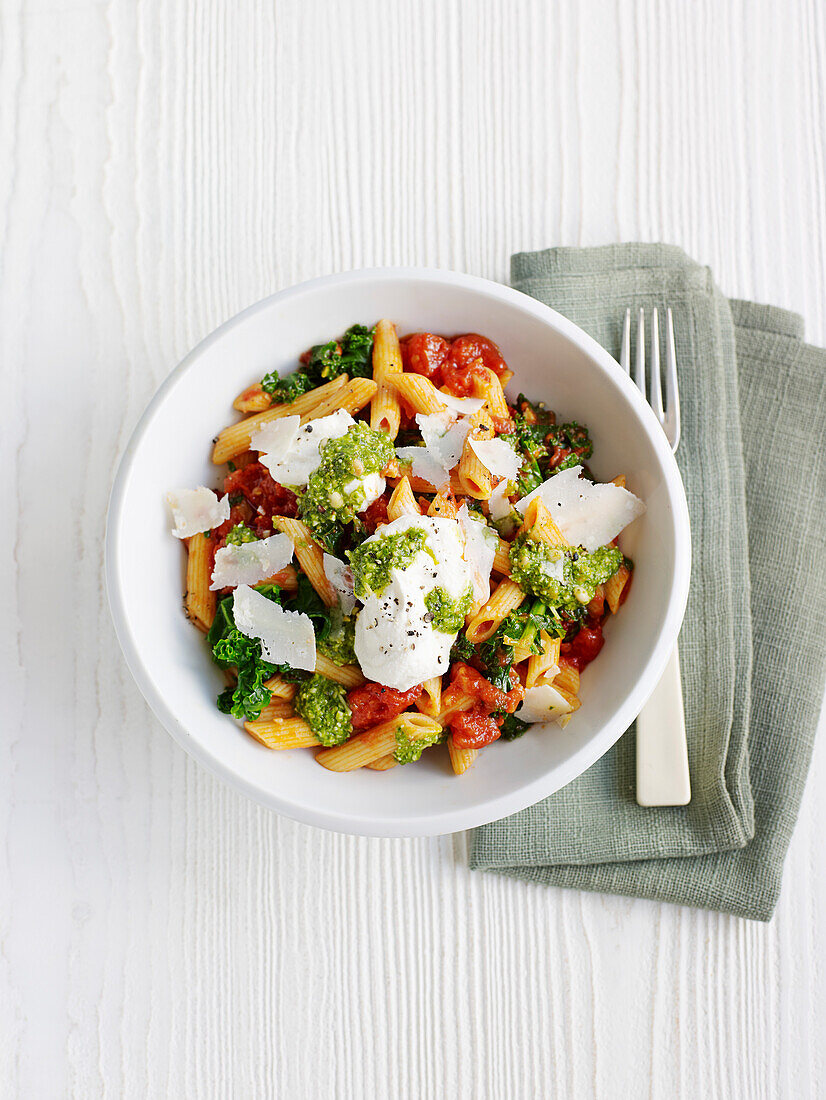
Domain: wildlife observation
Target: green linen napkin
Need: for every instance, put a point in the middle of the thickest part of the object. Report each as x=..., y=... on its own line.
x=752, y=652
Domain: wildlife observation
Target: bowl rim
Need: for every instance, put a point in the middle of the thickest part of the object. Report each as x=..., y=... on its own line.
x=449, y=820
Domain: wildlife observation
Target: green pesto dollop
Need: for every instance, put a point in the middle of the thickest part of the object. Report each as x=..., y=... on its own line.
x=322, y=704
x=409, y=751
x=373, y=561
x=581, y=571
x=326, y=505
x=448, y=615
x=338, y=643
x=240, y=533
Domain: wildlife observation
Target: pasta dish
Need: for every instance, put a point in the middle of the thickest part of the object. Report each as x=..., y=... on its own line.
x=400, y=555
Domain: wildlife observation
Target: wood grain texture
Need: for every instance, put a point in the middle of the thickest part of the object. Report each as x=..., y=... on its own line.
x=165, y=164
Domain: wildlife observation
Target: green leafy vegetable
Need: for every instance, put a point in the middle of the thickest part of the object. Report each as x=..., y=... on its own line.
x=283, y=391
x=232, y=649
x=353, y=356
x=512, y=727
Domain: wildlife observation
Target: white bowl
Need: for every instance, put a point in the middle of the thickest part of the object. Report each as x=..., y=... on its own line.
x=553, y=360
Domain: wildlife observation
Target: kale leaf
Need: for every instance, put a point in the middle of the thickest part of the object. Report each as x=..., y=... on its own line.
x=284, y=391
x=232, y=649
x=352, y=356
x=512, y=727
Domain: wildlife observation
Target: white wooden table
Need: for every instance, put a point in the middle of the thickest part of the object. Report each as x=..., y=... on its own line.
x=163, y=165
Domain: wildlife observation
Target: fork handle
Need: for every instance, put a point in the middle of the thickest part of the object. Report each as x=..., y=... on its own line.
x=662, y=754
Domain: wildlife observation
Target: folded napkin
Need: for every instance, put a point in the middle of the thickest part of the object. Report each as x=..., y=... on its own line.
x=752, y=650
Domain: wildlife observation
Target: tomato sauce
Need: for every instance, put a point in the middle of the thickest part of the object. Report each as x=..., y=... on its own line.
x=260, y=491
x=585, y=646
x=470, y=355
x=425, y=353
x=373, y=703
x=375, y=515
x=473, y=729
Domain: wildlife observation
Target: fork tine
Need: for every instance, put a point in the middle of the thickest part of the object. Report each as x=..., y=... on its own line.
x=625, y=348
x=672, y=394
x=655, y=392
x=639, y=367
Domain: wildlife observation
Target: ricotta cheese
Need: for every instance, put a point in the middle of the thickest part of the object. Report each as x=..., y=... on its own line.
x=295, y=456
x=196, y=510
x=588, y=515
x=395, y=641
x=251, y=562
x=286, y=637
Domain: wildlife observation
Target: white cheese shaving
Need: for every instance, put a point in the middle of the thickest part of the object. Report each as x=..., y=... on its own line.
x=275, y=439
x=465, y=406
x=443, y=439
x=340, y=576
x=196, y=510
x=587, y=515
x=287, y=637
x=498, y=457
x=499, y=506
x=251, y=562
x=295, y=465
x=543, y=703
x=480, y=550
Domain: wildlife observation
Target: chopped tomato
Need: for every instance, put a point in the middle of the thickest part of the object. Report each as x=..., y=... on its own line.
x=465, y=680
x=585, y=645
x=374, y=515
x=472, y=729
x=425, y=353
x=373, y=703
x=469, y=355
x=264, y=495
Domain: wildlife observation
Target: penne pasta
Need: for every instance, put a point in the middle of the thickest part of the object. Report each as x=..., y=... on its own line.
x=567, y=678
x=615, y=586
x=349, y=676
x=416, y=391
x=364, y=748
x=541, y=663
x=430, y=701
x=502, y=561
x=385, y=412
x=505, y=377
x=539, y=522
x=474, y=478
x=283, y=733
x=619, y=480
x=310, y=556
x=506, y=597
x=199, y=602
x=443, y=505
x=402, y=501
x=277, y=708
x=383, y=764
x=235, y=439
x=487, y=386
x=286, y=578
x=460, y=759
x=254, y=399
x=352, y=397
x=280, y=689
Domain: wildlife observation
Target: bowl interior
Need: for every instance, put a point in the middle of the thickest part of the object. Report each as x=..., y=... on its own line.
x=552, y=361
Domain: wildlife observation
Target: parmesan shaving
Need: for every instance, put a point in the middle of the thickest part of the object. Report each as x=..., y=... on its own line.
x=196, y=510
x=302, y=457
x=543, y=703
x=251, y=562
x=498, y=457
x=286, y=637
x=480, y=550
x=340, y=576
x=465, y=406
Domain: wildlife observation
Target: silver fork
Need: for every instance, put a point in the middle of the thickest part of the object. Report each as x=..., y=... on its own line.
x=662, y=754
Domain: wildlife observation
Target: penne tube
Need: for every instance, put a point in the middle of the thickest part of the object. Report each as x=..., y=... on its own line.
x=505, y=377
x=416, y=391
x=443, y=505
x=277, y=708
x=364, y=748
x=254, y=399
x=286, y=578
x=352, y=397
x=569, y=696
x=418, y=484
x=460, y=759
x=540, y=524
x=385, y=411
x=502, y=561
x=283, y=733
x=619, y=480
x=383, y=764
x=544, y=662
x=235, y=439
x=487, y=386
x=506, y=597
x=349, y=676
x=199, y=602
x=567, y=678
x=615, y=586
x=430, y=701
x=280, y=689
x=310, y=556
x=402, y=502
x=474, y=477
